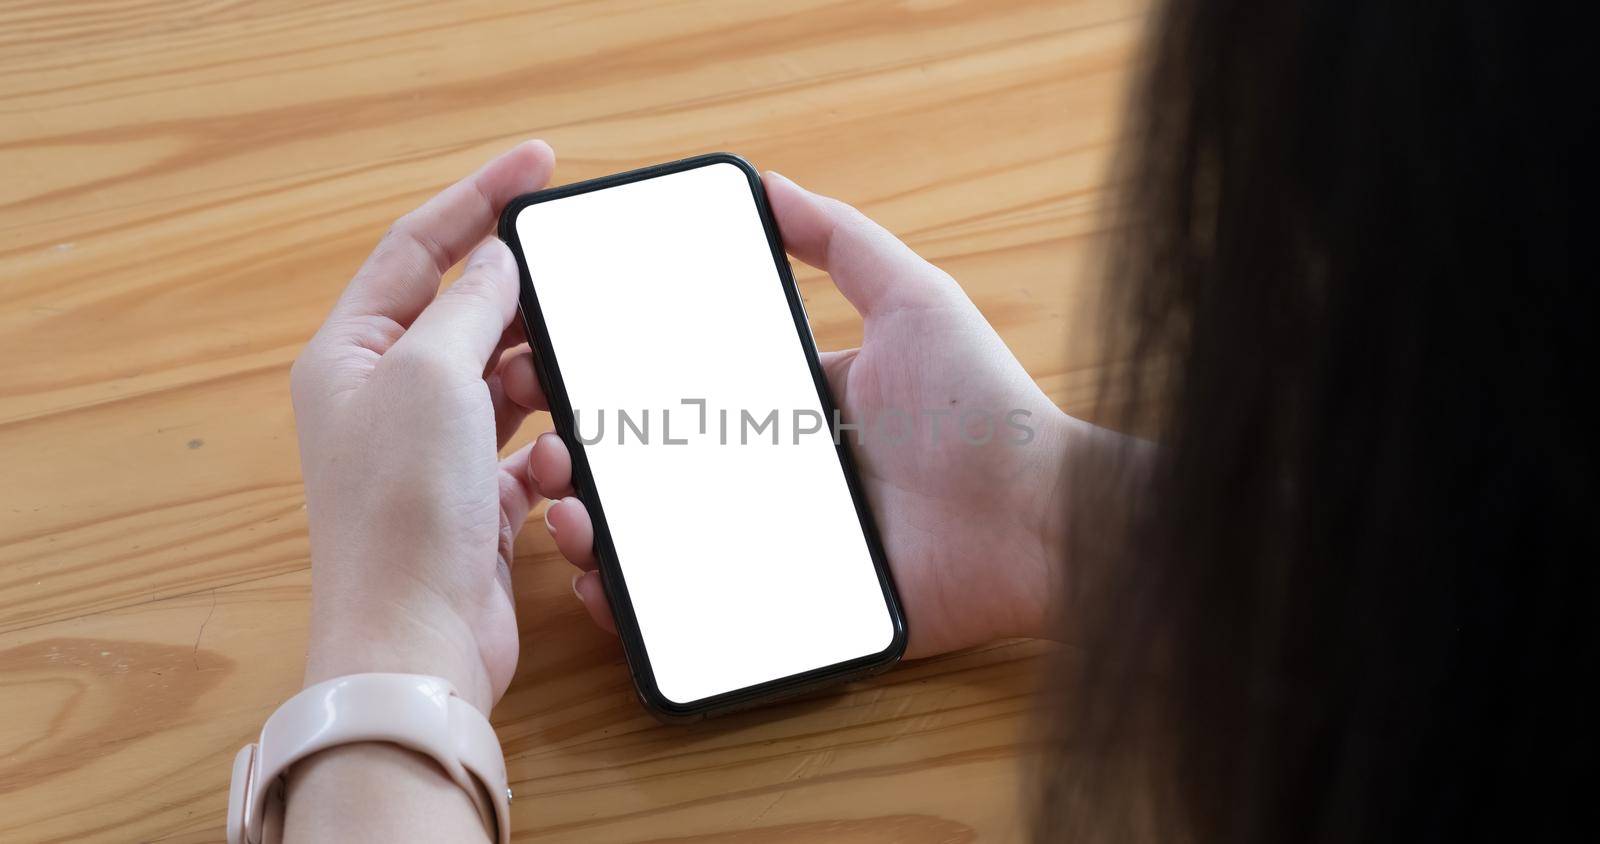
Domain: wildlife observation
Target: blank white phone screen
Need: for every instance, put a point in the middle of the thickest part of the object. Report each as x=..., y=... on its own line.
x=743, y=557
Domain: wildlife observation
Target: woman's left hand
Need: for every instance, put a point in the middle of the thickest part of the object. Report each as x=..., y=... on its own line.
x=402, y=400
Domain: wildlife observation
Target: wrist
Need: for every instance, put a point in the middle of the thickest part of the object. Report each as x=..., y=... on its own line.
x=1101, y=475
x=1049, y=522
x=376, y=792
x=436, y=644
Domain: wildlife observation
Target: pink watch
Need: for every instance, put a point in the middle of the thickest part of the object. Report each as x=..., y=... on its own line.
x=417, y=712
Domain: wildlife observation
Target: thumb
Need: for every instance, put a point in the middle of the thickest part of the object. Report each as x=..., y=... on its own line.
x=872, y=268
x=463, y=325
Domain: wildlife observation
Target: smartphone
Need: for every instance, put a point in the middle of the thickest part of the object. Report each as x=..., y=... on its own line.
x=734, y=540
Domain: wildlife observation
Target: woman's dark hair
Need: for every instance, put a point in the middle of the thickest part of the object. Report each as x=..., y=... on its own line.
x=1349, y=596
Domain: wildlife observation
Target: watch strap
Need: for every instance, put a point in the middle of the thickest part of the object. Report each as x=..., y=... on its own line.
x=414, y=711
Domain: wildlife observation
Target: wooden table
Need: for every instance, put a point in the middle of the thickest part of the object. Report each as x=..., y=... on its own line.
x=187, y=185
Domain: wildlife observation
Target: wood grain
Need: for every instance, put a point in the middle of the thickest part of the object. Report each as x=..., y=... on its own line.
x=186, y=187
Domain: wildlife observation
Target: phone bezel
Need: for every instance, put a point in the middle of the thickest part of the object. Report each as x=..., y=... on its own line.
x=549, y=373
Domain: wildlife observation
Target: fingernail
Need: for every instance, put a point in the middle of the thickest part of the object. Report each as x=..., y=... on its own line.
x=547, y=525
x=575, y=593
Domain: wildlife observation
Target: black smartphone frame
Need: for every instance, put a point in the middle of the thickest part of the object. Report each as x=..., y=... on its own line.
x=548, y=369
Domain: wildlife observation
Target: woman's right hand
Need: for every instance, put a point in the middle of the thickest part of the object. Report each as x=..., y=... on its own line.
x=972, y=530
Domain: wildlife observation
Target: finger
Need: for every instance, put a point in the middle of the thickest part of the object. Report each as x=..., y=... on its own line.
x=871, y=267
x=514, y=390
x=402, y=275
x=463, y=325
x=836, y=366
x=517, y=497
x=551, y=465
x=569, y=525
x=586, y=585
x=520, y=381
x=509, y=339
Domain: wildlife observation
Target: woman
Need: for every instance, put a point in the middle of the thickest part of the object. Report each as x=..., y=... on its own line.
x=1341, y=599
